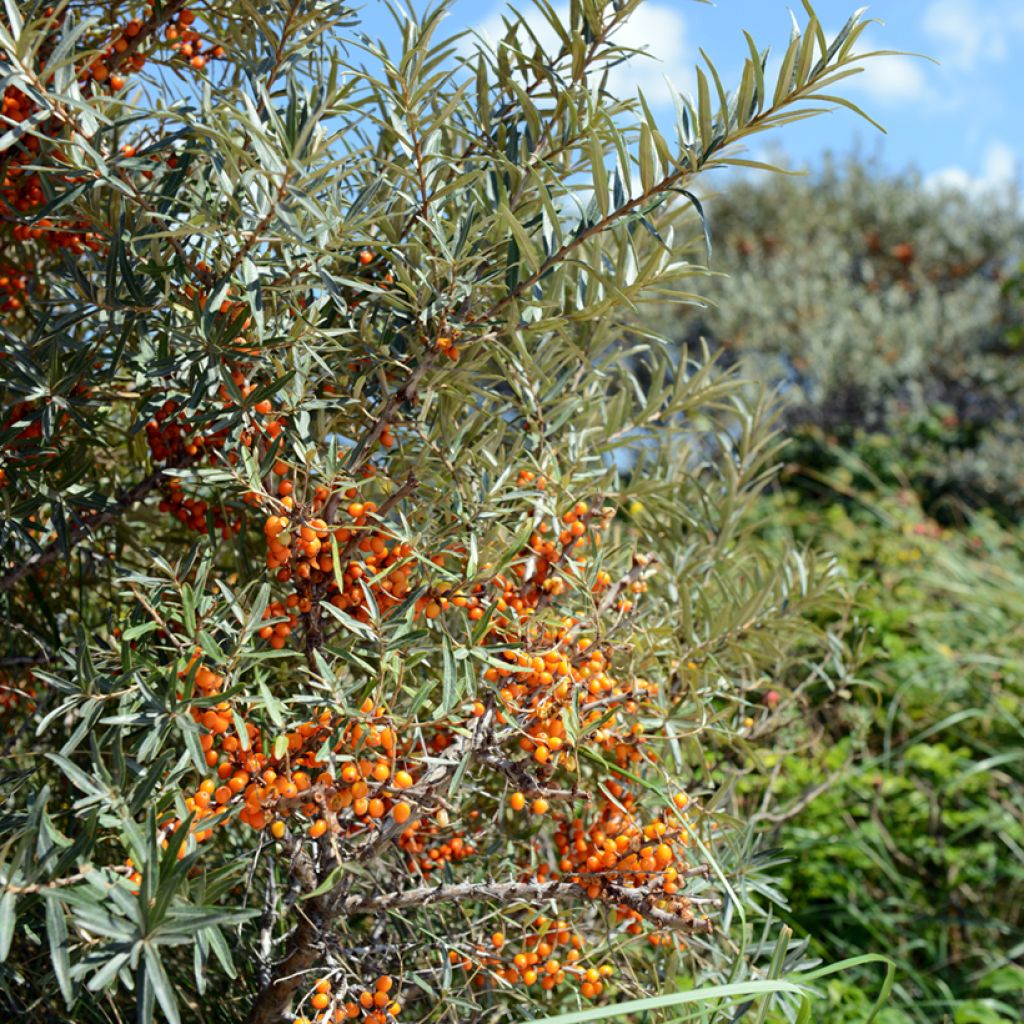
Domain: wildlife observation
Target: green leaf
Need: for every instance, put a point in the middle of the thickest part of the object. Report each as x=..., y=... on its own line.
x=57, y=933
x=161, y=984
x=8, y=917
x=709, y=994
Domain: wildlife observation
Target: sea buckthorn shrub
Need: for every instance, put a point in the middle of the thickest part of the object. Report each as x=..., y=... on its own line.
x=884, y=311
x=372, y=631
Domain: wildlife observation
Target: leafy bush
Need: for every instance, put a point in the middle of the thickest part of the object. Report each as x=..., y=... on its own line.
x=877, y=307
x=345, y=677
x=903, y=812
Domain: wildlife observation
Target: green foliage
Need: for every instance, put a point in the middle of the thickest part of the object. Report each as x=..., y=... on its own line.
x=264, y=263
x=903, y=813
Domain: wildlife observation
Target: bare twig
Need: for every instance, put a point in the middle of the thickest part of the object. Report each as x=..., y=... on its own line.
x=59, y=883
x=638, y=900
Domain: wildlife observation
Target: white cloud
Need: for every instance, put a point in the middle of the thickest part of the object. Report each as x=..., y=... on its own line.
x=892, y=81
x=655, y=28
x=969, y=32
x=896, y=79
x=1000, y=172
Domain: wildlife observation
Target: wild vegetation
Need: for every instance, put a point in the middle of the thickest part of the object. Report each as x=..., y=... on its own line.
x=889, y=316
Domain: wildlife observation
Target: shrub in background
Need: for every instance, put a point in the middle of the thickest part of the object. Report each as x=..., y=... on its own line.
x=878, y=307
x=889, y=317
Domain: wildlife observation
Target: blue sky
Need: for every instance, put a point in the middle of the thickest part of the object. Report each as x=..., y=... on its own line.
x=958, y=122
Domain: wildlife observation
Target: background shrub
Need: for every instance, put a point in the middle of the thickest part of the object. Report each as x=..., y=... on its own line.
x=877, y=307
x=888, y=316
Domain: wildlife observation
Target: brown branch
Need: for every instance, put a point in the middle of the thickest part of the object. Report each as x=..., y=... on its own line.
x=58, y=883
x=271, y=1004
x=304, y=952
x=84, y=529
x=638, y=900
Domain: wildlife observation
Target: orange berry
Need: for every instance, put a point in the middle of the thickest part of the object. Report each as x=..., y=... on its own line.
x=402, y=780
x=318, y=828
x=401, y=812
x=517, y=801
x=540, y=806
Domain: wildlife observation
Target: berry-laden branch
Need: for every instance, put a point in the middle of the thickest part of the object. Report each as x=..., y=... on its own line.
x=147, y=28
x=506, y=893
x=476, y=697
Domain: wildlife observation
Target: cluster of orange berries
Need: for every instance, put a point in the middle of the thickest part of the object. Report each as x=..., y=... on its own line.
x=550, y=955
x=173, y=441
x=446, y=343
x=542, y=689
x=188, y=42
x=414, y=841
x=107, y=68
x=20, y=449
x=616, y=846
x=21, y=189
x=300, y=550
x=373, y=1006
x=268, y=788
x=116, y=55
x=13, y=285
x=284, y=621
